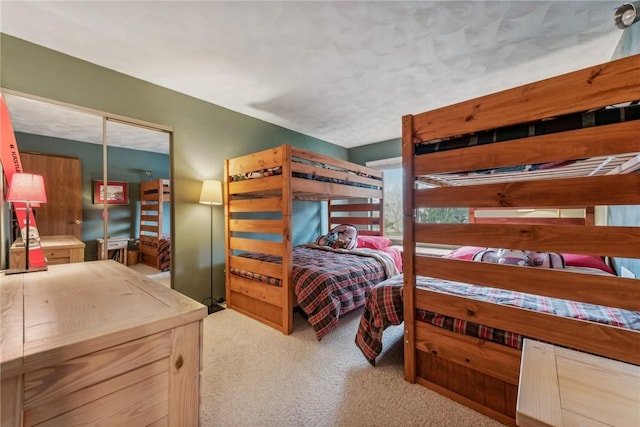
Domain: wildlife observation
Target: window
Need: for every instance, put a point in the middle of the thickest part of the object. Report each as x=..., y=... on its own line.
x=392, y=178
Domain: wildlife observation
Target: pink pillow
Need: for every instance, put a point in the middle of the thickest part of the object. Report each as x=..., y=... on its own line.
x=396, y=254
x=577, y=260
x=464, y=252
x=373, y=242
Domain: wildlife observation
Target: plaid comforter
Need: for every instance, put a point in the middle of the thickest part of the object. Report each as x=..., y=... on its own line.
x=164, y=253
x=330, y=282
x=384, y=308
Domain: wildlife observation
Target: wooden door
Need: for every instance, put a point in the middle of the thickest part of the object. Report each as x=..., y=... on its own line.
x=62, y=214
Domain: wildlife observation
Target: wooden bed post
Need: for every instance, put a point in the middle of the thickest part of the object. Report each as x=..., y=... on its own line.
x=227, y=235
x=408, y=254
x=287, y=261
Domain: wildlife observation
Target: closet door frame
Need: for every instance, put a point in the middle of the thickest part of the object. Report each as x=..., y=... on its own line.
x=106, y=117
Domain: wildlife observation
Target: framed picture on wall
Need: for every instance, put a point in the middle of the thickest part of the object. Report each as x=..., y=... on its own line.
x=117, y=192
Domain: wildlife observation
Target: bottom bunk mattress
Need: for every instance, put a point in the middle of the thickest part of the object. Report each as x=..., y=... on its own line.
x=329, y=282
x=384, y=308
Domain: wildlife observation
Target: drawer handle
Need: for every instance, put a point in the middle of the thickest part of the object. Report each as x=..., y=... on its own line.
x=179, y=362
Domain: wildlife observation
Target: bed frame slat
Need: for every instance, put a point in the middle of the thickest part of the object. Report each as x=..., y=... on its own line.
x=577, y=334
x=590, y=288
x=256, y=245
x=260, y=267
x=571, y=145
x=550, y=193
x=270, y=204
x=483, y=356
x=605, y=84
x=612, y=241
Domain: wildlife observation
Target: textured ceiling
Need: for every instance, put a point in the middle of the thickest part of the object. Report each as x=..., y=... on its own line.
x=40, y=118
x=344, y=72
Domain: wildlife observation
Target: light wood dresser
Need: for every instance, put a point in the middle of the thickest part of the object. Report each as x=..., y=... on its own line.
x=56, y=249
x=96, y=343
x=562, y=387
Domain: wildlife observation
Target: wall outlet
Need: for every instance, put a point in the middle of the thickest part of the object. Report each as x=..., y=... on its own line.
x=625, y=272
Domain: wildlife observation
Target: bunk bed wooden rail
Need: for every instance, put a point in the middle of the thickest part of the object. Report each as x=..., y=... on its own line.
x=259, y=193
x=475, y=372
x=153, y=195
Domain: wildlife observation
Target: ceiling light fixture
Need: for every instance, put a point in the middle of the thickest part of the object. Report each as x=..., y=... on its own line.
x=627, y=14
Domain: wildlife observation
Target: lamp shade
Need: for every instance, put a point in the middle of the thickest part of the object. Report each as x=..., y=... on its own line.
x=26, y=187
x=211, y=193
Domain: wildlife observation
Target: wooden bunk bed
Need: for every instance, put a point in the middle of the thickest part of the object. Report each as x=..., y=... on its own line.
x=259, y=192
x=476, y=372
x=155, y=247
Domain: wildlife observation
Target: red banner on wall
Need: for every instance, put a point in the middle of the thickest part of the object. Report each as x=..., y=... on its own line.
x=10, y=158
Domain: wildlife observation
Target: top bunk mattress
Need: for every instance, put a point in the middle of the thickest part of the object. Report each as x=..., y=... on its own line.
x=306, y=174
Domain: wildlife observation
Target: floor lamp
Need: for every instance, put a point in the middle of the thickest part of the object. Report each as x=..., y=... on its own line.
x=211, y=195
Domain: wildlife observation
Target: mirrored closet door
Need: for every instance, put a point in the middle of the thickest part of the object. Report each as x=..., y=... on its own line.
x=95, y=167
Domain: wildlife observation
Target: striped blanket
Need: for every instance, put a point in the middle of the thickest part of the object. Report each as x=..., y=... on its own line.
x=384, y=308
x=329, y=282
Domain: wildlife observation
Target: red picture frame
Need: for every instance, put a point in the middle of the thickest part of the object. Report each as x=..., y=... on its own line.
x=117, y=192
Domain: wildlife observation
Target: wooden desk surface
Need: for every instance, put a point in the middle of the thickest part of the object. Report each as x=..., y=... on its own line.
x=75, y=309
x=52, y=242
x=562, y=387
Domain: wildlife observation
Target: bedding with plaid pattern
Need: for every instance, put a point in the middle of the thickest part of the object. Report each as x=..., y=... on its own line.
x=164, y=253
x=329, y=282
x=384, y=308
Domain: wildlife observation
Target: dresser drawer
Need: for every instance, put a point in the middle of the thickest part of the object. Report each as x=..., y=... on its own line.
x=55, y=382
x=139, y=397
x=57, y=256
x=125, y=384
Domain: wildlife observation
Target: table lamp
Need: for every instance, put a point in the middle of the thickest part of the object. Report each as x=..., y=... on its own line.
x=28, y=189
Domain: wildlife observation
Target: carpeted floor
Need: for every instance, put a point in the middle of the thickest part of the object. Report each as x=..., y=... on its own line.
x=255, y=376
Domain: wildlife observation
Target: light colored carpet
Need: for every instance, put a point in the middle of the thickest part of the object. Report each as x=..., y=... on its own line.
x=255, y=376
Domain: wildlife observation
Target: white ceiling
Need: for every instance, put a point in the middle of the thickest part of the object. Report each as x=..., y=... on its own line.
x=344, y=72
x=41, y=118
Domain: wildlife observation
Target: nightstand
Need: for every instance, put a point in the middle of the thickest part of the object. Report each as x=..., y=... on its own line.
x=56, y=249
x=116, y=249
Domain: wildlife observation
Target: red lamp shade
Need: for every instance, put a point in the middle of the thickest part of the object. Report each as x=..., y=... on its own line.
x=26, y=187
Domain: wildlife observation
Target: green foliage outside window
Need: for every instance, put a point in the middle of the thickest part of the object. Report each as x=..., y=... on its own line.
x=393, y=207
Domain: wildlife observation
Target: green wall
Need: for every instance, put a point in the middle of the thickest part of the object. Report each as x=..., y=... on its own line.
x=124, y=165
x=377, y=151
x=204, y=135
